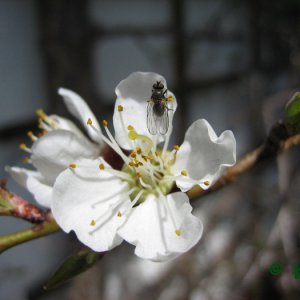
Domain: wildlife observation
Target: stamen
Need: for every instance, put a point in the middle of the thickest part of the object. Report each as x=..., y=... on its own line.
x=116, y=173
x=104, y=123
x=165, y=202
x=133, y=202
x=207, y=183
x=25, y=148
x=26, y=160
x=120, y=108
x=32, y=136
x=93, y=223
x=113, y=145
x=178, y=232
x=184, y=173
x=170, y=98
x=129, y=127
x=176, y=147
x=73, y=166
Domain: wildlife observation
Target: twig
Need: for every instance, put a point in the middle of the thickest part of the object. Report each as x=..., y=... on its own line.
x=47, y=227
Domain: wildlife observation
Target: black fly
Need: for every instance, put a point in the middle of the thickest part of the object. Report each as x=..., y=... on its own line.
x=157, y=110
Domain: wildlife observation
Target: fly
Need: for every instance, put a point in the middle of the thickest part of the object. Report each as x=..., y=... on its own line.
x=157, y=110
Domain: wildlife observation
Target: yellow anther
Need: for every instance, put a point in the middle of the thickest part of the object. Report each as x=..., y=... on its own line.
x=101, y=166
x=138, y=150
x=119, y=214
x=206, y=183
x=93, y=223
x=145, y=158
x=26, y=160
x=178, y=232
x=73, y=166
x=104, y=123
x=132, y=135
x=89, y=121
x=41, y=114
x=176, y=147
x=131, y=164
x=136, y=165
x=22, y=146
x=30, y=133
x=140, y=163
x=120, y=108
x=139, y=174
x=184, y=173
x=129, y=127
x=170, y=98
x=133, y=154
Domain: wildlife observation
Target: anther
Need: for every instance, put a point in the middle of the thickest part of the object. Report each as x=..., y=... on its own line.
x=138, y=150
x=129, y=127
x=104, y=123
x=206, y=183
x=23, y=146
x=26, y=160
x=132, y=134
x=41, y=114
x=120, y=108
x=73, y=166
x=101, y=166
x=170, y=98
x=176, y=147
x=178, y=232
x=89, y=121
x=184, y=173
x=133, y=154
x=119, y=214
x=93, y=223
x=139, y=174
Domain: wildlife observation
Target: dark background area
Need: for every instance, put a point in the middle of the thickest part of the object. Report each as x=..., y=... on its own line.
x=234, y=63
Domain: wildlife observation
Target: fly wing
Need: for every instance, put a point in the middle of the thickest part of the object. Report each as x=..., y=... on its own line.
x=151, y=120
x=162, y=123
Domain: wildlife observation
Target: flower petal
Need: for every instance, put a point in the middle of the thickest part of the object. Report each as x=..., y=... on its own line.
x=133, y=94
x=79, y=109
x=85, y=199
x=65, y=124
x=150, y=227
x=204, y=155
x=34, y=183
x=52, y=153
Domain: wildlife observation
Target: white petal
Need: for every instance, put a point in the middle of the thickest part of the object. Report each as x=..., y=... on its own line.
x=78, y=108
x=204, y=155
x=133, y=94
x=33, y=182
x=85, y=194
x=52, y=153
x=151, y=230
x=66, y=124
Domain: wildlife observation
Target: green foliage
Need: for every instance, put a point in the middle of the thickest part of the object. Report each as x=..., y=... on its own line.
x=74, y=265
x=292, y=111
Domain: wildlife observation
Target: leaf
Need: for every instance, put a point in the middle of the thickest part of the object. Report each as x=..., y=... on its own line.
x=74, y=265
x=292, y=111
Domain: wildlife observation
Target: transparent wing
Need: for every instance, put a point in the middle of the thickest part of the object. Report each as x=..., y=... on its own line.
x=162, y=123
x=151, y=122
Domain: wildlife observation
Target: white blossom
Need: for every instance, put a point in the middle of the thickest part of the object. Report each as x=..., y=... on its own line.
x=138, y=203
x=61, y=142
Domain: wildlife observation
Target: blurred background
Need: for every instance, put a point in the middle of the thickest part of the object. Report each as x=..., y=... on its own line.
x=234, y=63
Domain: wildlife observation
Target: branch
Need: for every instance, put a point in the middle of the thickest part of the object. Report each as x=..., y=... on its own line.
x=39, y=230
x=279, y=141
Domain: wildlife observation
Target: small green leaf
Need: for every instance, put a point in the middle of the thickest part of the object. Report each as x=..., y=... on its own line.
x=292, y=111
x=77, y=263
